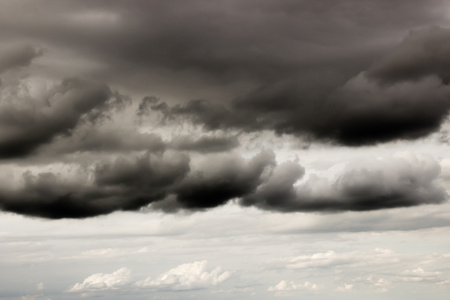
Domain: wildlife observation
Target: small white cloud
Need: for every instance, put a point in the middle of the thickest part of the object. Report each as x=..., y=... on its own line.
x=40, y=286
x=284, y=286
x=332, y=259
x=381, y=284
x=142, y=250
x=101, y=281
x=347, y=287
x=105, y=252
x=187, y=276
x=317, y=260
x=39, y=295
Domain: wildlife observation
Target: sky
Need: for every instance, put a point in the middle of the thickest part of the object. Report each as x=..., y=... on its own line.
x=201, y=149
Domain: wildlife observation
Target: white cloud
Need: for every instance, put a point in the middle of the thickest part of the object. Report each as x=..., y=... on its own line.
x=418, y=275
x=284, y=285
x=102, y=281
x=39, y=295
x=40, y=286
x=347, y=287
x=187, y=276
x=318, y=260
x=110, y=252
x=328, y=259
x=380, y=283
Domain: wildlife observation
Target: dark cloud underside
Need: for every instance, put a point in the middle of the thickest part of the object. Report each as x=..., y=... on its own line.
x=332, y=71
x=169, y=183
x=404, y=95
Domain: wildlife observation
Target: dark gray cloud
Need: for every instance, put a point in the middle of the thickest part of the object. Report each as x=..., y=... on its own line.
x=17, y=56
x=295, y=55
x=171, y=182
x=220, y=181
x=121, y=184
x=205, y=144
x=99, y=140
x=329, y=71
x=220, y=43
x=422, y=53
x=255, y=37
x=374, y=106
x=28, y=121
x=131, y=183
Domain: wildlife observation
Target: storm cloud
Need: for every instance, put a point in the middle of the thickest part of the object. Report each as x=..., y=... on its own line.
x=172, y=182
x=371, y=184
x=377, y=105
x=294, y=68
x=218, y=73
x=17, y=56
x=118, y=184
x=28, y=121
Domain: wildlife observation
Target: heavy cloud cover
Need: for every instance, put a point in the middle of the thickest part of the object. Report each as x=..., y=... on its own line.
x=28, y=122
x=404, y=95
x=17, y=56
x=171, y=182
x=325, y=71
x=294, y=58
x=309, y=69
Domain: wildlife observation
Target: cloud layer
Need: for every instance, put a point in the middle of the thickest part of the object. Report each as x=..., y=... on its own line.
x=404, y=95
x=189, y=276
x=171, y=182
x=293, y=69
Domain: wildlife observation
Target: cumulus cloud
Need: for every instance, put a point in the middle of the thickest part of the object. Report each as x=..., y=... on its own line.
x=377, y=269
x=360, y=110
x=402, y=180
x=297, y=80
x=219, y=180
x=30, y=118
x=129, y=183
x=116, y=184
x=103, y=281
x=170, y=182
x=187, y=277
x=305, y=92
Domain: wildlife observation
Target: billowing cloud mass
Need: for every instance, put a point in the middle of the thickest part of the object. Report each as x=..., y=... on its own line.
x=27, y=122
x=234, y=149
x=170, y=182
x=188, y=276
x=404, y=95
x=212, y=77
x=405, y=180
x=102, y=281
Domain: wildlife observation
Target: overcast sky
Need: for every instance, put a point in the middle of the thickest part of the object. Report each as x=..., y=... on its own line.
x=245, y=149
